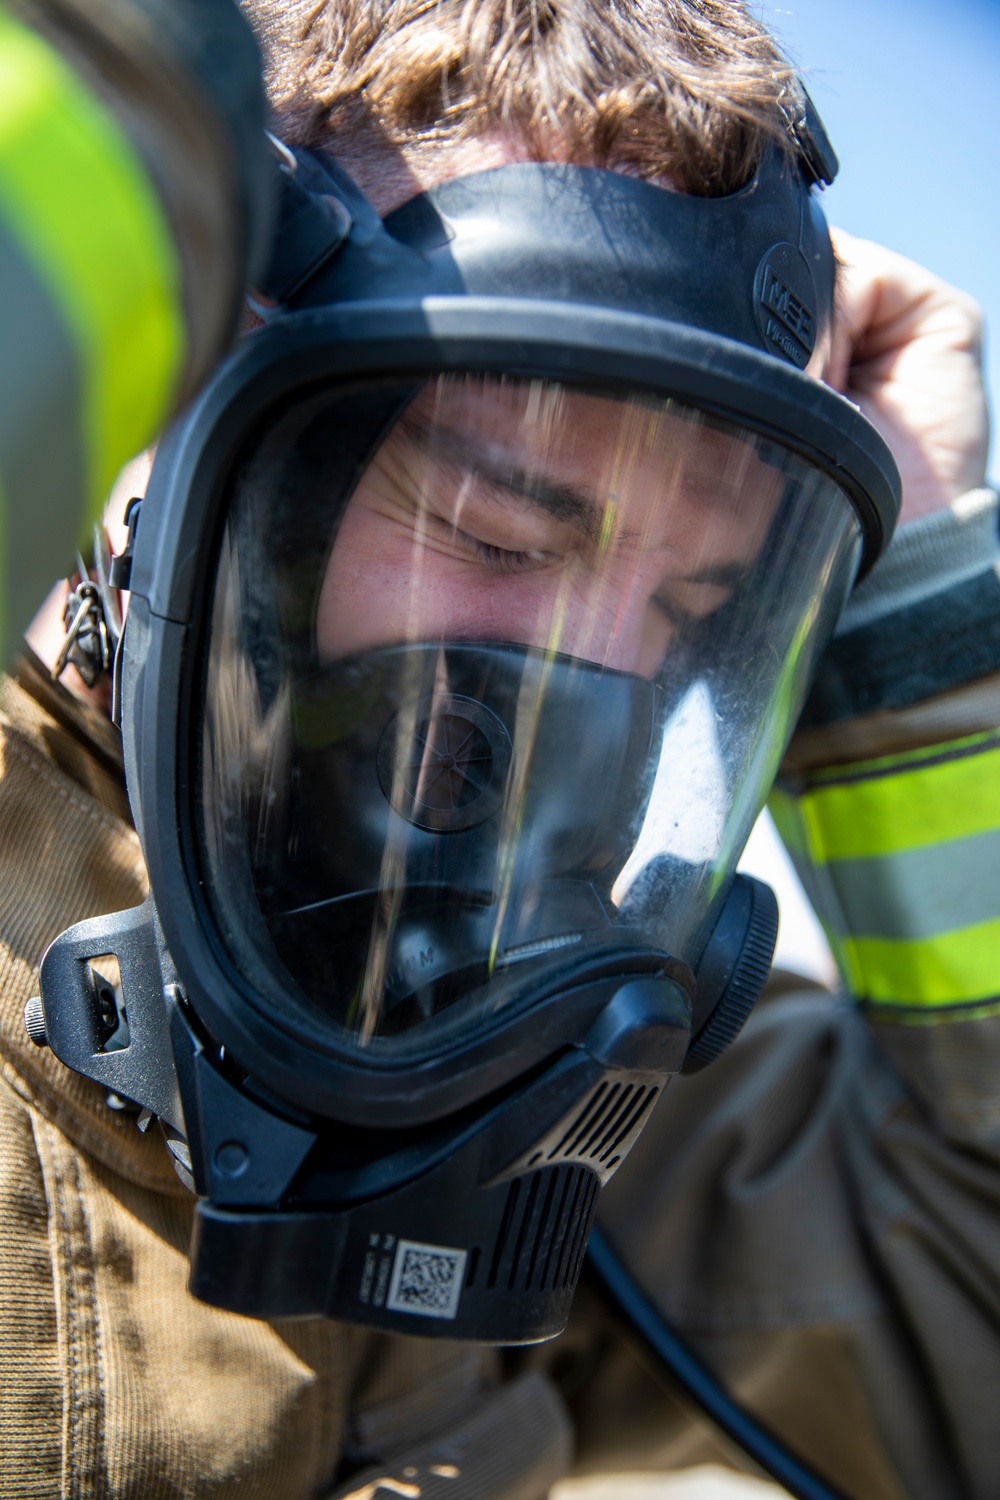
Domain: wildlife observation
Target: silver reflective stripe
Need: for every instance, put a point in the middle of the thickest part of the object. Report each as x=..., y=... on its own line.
x=513, y=1446
x=41, y=451
x=918, y=893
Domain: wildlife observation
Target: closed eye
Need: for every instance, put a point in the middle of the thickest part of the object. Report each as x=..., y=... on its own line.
x=502, y=560
x=709, y=588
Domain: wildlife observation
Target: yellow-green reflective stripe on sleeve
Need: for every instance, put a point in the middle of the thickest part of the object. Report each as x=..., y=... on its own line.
x=77, y=198
x=901, y=857
x=906, y=801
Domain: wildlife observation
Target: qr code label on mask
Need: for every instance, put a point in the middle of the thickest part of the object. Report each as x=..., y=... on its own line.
x=426, y=1279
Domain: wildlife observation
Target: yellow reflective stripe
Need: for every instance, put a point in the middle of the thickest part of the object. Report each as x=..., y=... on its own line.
x=886, y=806
x=77, y=198
x=951, y=968
x=897, y=855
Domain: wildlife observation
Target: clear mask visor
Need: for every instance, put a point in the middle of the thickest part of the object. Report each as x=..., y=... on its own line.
x=498, y=675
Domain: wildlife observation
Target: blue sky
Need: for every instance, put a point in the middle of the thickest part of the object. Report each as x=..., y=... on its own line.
x=908, y=93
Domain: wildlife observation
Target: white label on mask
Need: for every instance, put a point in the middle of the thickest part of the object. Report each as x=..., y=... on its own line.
x=426, y=1279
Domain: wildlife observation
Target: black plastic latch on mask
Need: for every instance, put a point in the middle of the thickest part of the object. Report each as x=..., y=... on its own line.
x=311, y=227
x=810, y=136
x=644, y=1028
x=733, y=969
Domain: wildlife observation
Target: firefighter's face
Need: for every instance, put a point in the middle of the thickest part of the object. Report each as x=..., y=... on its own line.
x=521, y=511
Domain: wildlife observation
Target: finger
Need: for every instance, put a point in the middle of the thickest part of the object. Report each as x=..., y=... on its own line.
x=907, y=349
x=887, y=304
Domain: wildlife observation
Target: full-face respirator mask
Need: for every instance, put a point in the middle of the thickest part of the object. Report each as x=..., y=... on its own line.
x=472, y=606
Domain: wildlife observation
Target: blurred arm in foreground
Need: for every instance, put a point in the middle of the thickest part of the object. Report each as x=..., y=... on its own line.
x=134, y=202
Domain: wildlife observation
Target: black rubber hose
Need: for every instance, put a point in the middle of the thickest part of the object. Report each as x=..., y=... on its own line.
x=661, y=1342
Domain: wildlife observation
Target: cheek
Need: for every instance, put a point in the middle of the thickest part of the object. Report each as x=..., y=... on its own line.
x=620, y=625
x=362, y=600
x=381, y=588
x=608, y=618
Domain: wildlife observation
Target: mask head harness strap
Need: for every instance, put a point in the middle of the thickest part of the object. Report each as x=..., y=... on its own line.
x=321, y=208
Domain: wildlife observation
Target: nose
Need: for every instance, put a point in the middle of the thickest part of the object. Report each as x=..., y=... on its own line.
x=611, y=617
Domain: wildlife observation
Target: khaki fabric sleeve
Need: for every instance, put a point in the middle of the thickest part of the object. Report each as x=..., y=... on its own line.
x=798, y=1216
x=31, y=1392
x=115, y=1384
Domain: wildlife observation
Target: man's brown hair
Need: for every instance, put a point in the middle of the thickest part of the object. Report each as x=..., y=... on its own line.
x=690, y=90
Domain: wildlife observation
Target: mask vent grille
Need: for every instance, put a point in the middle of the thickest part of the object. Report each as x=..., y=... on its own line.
x=610, y=1115
x=543, y=1233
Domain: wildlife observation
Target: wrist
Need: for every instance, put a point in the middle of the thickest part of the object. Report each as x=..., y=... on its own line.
x=926, y=557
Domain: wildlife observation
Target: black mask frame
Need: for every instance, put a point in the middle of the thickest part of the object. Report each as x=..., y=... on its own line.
x=497, y=1146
